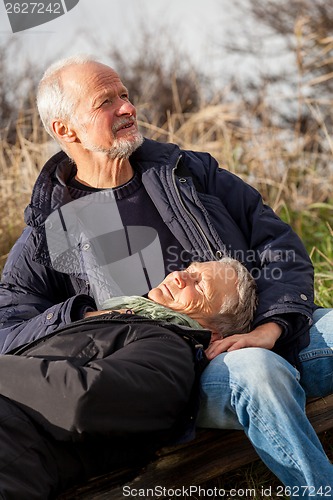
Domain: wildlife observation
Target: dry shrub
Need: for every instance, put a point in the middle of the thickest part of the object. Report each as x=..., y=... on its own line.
x=273, y=159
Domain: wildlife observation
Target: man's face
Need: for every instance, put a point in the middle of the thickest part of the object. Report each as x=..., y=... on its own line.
x=199, y=291
x=105, y=119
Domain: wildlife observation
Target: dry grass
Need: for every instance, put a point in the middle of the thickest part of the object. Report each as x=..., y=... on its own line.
x=275, y=160
x=20, y=164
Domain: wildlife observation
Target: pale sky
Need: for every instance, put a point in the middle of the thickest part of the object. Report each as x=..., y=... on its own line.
x=196, y=26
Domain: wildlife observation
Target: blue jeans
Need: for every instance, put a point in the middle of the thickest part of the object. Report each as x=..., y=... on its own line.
x=258, y=391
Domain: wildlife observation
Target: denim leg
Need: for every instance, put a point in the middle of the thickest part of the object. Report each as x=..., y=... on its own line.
x=317, y=359
x=258, y=391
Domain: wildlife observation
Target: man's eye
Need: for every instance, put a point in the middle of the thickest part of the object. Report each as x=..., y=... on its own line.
x=105, y=103
x=125, y=97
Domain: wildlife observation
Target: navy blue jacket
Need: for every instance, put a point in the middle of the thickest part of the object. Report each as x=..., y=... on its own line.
x=222, y=215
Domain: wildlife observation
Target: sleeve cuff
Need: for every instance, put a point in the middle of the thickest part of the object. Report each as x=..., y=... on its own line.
x=81, y=305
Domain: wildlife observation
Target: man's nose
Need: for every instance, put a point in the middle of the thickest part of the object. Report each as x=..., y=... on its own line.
x=126, y=108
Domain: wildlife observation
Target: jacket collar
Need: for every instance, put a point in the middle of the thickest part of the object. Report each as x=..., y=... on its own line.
x=50, y=191
x=155, y=154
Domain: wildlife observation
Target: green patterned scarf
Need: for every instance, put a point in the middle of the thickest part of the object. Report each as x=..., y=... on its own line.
x=146, y=307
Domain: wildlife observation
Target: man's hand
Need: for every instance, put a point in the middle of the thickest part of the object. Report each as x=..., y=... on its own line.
x=263, y=336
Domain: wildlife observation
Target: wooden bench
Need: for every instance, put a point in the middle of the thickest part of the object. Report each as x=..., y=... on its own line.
x=211, y=454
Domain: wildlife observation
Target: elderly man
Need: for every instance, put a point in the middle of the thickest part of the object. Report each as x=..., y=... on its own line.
x=107, y=187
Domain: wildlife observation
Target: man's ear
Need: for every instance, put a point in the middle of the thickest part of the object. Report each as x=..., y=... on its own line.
x=63, y=131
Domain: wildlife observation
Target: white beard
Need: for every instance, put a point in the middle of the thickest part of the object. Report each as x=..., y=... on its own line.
x=120, y=149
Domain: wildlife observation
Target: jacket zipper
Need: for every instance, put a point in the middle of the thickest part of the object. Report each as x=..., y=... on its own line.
x=191, y=216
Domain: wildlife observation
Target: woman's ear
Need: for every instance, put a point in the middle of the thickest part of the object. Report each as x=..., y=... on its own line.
x=63, y=131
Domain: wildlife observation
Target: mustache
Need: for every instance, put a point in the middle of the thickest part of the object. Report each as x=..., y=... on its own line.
x=123, y=122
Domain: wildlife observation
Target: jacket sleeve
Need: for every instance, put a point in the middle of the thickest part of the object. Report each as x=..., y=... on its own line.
x=276, y=255
x=272, y=251
x=34, y=300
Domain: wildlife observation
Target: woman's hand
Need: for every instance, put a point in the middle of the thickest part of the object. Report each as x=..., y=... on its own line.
x=263, y=336
x=106, y=311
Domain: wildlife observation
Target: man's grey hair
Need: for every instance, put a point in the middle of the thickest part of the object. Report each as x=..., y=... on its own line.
x=53, y=102
x=237, y=311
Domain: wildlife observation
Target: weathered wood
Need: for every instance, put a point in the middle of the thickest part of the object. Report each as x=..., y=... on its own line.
x=320, y=413
x=211, y=454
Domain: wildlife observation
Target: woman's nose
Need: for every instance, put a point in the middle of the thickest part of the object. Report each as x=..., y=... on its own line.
x=179, y=278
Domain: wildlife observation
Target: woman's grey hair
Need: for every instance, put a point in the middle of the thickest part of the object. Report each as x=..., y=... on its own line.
x=237, y=311
x=53, y=102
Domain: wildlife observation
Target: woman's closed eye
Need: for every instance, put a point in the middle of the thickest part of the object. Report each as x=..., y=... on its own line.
x=197, y=279
x=198, y=283
x=199, y=286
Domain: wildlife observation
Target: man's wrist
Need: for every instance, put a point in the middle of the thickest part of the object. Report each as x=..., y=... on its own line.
x=272, y=328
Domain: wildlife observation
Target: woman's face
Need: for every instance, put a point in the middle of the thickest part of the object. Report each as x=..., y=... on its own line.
x=199, y=291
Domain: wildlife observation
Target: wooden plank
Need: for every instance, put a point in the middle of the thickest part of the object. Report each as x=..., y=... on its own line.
x=211, y=454
x=100, y=485
x=320, y=413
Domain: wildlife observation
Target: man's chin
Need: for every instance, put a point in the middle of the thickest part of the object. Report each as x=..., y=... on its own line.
x=121, y=149
x=137, y=141
x=126, y=146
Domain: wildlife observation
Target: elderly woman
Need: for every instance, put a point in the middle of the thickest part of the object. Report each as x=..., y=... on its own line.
x=122, y=383
x=217, y=295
